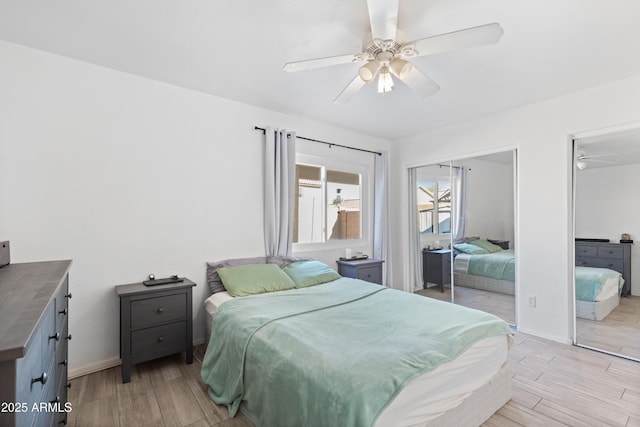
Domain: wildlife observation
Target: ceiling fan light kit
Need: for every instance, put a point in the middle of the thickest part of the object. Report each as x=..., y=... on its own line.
x=368, y=71
x=387, y=54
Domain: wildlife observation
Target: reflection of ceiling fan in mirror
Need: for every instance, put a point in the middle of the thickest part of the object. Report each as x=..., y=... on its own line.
x=386, y=52
x=583, y=159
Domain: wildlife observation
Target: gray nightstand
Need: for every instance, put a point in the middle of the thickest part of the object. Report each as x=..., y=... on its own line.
x=367, y=269
x=155, y=321
x=436, y=267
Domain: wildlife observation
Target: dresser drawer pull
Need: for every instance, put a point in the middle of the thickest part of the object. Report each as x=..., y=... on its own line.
x=41, y=379
x=160, y=310
x=68, y=295
x=68, y=337
x=56, y=400
x=160, y=339
x=68, y=385
x=64, y=362
x=63, y=312
x=55, y=337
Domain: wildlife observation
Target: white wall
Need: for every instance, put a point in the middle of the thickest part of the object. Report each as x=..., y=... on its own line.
x=489, y=212
x=540, y=132
x=606, y=207
x=128, y=176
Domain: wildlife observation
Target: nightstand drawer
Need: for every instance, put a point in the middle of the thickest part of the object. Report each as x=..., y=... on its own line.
x=158, y=341
x=155, y=311
x=370, y=274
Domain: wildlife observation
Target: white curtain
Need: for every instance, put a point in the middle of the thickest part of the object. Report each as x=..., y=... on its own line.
x=279, y=191
x=381, y=215
x=415, y=261
x=459, y=187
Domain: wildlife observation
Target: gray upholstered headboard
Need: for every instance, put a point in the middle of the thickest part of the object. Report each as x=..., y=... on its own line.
x=213, y=279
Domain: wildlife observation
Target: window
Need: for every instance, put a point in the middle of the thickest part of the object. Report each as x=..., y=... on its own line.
x=328, y=204
x=434, y=206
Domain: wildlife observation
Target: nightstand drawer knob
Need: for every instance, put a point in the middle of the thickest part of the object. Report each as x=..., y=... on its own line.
x=161, y=310
x=56, y=400
x=160, y=339
x=55, y=337
x=63, y=311
x=68, y=295
x=63, y=363
x=68, y=337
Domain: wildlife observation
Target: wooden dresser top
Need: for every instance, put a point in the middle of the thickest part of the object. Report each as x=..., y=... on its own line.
x=25, y=291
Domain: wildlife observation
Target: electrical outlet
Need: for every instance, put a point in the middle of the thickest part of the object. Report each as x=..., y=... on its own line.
x=531, y=301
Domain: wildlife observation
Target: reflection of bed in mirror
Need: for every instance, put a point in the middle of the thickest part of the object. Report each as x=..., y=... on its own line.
x=597, y=292
x=479, y=264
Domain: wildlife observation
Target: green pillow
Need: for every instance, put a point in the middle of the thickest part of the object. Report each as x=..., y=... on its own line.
x=485, y=244
x=468, y=248
x=310, y=273
x=251, y=279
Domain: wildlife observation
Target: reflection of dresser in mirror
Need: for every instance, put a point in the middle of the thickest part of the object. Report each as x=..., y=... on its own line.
x=614, y=256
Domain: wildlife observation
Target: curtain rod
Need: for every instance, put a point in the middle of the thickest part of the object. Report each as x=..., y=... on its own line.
x=449, y=166
x=330, y=144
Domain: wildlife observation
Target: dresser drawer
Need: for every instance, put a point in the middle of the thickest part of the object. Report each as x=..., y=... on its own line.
x=611, y=264
x=158, y=341
x=155, y=311
x=586, y=251
x=29, y=368
x=62, y=303
x=610, y=252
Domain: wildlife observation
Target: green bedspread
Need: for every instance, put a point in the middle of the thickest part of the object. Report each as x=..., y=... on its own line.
x=497, y=265
x=333, y=354
x=589, y=281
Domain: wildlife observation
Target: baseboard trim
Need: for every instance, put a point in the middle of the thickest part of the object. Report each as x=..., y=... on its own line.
x=90, y=369
x=105, y=364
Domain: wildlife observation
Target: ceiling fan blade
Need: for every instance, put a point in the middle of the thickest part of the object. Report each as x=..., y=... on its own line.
x=348, y=92
x=591, y=156
x=456, y=40
x=588, y=159
x=383, y=15
x=419, y=82
x=319, y=62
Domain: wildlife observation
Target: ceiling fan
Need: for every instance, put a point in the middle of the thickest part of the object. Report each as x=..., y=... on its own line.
x=387, y=53
x=583, y=159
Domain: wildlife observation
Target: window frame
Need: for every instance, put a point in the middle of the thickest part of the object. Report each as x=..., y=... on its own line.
x=366, y=202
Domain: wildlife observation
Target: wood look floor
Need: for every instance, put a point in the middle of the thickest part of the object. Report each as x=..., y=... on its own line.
x=553, y=385
x=618, y=333
x=501, y=305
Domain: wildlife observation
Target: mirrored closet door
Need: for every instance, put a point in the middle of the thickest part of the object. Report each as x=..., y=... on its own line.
x=606, y=223
x=467, y=207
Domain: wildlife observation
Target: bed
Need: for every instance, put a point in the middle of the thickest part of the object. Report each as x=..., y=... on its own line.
x=341, y=351
x=481, y=265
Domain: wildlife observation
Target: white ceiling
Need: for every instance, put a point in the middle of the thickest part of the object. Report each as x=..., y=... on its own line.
x=236, y=49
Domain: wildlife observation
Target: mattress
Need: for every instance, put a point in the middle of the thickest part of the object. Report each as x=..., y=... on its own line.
x=434, y=393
